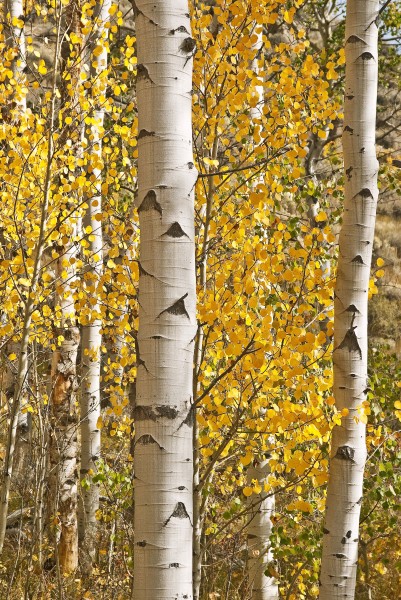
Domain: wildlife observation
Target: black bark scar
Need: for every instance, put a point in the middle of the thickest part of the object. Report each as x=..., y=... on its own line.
x=150, y=203
x=178, y=308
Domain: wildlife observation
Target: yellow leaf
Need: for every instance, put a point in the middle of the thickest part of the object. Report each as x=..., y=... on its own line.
x=42, y=68
x=288, y=16
x=247, y=491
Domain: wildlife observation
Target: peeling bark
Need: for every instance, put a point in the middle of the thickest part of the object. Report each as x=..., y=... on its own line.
x=167, y=322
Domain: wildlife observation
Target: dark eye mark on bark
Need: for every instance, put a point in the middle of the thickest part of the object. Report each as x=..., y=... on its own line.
x=349, y=173
x=345, y=453
x=352, y=309
x=338, y=555
x=348, y=129
x=180, y=29
x=188, y=45
x=145, y=133
x=174, y=565
x=325, y=531
x=358, y=259
x=354, y=39
x=364, y=193
x=143, y=73
x=142, y=413
x=147, y=440
x=150, y=203
x=175, y=231
x=169, y=412
x=180, y=512
x=350, y=342
x=367, y=56
x=142, y=544
x=178, y=308
x=348, y=534
x=189, y=419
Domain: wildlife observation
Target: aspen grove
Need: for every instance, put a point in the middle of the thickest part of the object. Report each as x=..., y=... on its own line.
x=200, y=299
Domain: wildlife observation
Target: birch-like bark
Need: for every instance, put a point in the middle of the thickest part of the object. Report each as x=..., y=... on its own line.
x=16, y=40
x=64, y=415
x=261, y=506
x=199, y=501
x=259, y=530
x=91, y=333
x=167, y=318
x=348, y=453
x=63, y=458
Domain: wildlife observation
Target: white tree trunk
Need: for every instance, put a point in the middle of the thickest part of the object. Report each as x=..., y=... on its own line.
x=64, y=447
x=259, y=529
x=91, y=333
x=167, y=319
x=348, y=454
x=261, y=506
x=17, y=41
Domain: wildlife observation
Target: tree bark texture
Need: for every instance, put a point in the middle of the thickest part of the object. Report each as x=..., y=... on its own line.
x=259, y=529
x=167, y=317
x=16, y=40
x=64, y=424
x=348, y=453
x=261, y=506
x=91, y=333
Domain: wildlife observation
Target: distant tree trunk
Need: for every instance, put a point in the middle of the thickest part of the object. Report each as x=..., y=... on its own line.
x=63, y=459
x=91, y=332
x=348, y=453
x=167, y=317
x=263, y=585
x=261, y=506
x=63, y=491
x=16, y=40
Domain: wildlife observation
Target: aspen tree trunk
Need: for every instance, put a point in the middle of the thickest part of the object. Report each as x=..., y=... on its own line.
x=91, y=333
x=28, y=308
x=63, y=458
x=16, y=40
x=198, y=499
x=259, y=530
x=64, y=415
x=167, y=318
x=348, y=454
x=262, y=505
